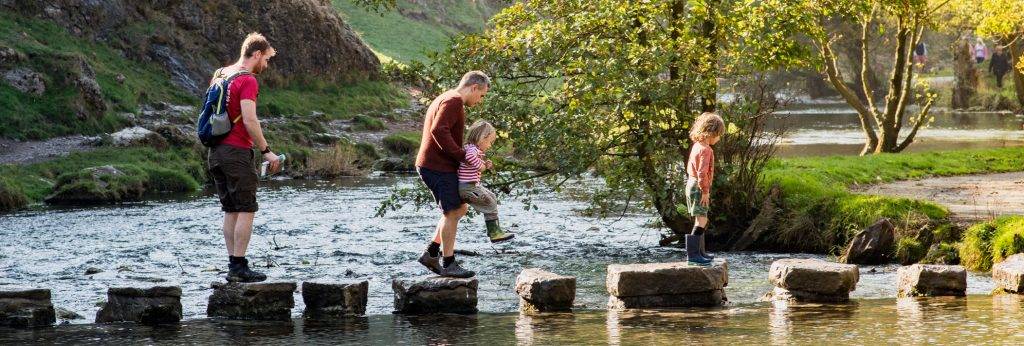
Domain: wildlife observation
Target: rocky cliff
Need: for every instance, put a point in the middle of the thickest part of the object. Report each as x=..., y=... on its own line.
x=190, y=39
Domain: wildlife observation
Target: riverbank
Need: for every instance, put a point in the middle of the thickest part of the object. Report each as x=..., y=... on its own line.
x=821, y=208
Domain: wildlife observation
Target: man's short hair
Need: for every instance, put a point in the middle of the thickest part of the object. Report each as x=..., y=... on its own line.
x=255, y=42
x=474, y=78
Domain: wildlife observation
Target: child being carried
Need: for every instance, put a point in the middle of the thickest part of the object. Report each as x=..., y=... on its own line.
x=481, y=136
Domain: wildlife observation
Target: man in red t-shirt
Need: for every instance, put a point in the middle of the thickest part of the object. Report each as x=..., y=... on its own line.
x=437, y=163
x=233, y=162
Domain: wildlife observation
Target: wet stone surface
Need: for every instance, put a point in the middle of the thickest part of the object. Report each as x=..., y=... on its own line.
x=543, y=291
x=812, y=280
x=435, y=294
x=327, y=300
x=932, y=280
x=154, y=305
x=26, y=308
x=666, y=285
x=265, y=301
x=1009, y=274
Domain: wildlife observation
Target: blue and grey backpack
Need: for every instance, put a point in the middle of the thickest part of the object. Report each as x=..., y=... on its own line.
x=214, y=124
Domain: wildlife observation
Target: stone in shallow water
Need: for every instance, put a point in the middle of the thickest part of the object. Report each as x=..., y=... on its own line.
x=932, y=280
x=334, y=299
x=26, y=308
x=543, y=291
x=812, y=280
x=1009, y=274
x=155, y=305
x=435, y=294
x=678, y=284
x=269, y=301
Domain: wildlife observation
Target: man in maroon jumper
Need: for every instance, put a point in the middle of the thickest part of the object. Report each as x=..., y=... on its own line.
x=438, y=162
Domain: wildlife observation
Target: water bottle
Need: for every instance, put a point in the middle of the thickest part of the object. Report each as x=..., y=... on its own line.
x=266, y=164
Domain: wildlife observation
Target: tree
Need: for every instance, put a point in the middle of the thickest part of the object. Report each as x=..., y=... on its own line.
x=612, y=87
x=904, y=21
x=1003, y=20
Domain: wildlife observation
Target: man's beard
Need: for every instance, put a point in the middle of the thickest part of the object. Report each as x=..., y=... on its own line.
x=258, y=68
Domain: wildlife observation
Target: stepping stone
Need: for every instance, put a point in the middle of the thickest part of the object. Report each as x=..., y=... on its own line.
x=266, y=301
x=542, y=291
x=932, y=280
x=324, y=300
x=666, y=285
x=1009, y=274
x=812, y=280
x=156, y=305
x=435, y=294
x=26, y=308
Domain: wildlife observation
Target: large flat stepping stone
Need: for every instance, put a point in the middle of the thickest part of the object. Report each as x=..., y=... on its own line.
x=543, y=291
x=932, y=280
x=326, y=300
x=155, y=305
x=435, y=294
x=272, y=301
x=26, y=308
x=812, y=280
x=666, y=285
x=1009, y=274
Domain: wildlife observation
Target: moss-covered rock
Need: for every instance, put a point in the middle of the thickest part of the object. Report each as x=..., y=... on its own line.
x=943, y=253
x=115, y=184
x=910, y=250
x=404, y=143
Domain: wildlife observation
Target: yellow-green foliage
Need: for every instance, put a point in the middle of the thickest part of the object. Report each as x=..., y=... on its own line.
x=990, y=242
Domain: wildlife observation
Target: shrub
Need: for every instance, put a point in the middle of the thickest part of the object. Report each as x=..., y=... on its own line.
x=943, y=253
x=992, y=241
x=11, y=198
x=909, y=250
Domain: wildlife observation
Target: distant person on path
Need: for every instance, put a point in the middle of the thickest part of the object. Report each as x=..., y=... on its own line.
x=481, y=136
x=999, y=65
x=438, y=162
x=700, y=169
x=980, y=51
x=921, y=55
x=233, y=162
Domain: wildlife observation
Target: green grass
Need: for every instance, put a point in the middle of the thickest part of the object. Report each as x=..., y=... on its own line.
x=427, y=26
x=335, y=101
x=54, y=53
x=990, y=242
x=403, y=143
x=162, y=170
x=822, y=213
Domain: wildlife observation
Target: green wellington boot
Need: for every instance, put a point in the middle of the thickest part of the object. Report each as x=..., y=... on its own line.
x=496, y=234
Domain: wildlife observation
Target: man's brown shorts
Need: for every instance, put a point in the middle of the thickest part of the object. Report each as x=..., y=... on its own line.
x=234, y=174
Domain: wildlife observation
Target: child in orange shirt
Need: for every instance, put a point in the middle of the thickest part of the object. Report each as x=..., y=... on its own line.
x=700, y=169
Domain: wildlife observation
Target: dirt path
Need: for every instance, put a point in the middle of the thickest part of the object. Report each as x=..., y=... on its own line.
x=968, y=197
x=20, y=153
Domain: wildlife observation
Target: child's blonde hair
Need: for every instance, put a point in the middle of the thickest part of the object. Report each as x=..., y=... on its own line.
x=480, y=130
x=707, y=125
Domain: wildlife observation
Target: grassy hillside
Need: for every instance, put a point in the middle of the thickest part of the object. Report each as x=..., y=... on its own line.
x=407, y=33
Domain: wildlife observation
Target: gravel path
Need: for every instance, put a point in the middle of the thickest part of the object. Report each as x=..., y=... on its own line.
x=968, y=197
x=20, y=153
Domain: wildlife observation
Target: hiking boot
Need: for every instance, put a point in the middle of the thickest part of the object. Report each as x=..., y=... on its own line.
x=240, y=272
x=432, y=263
x=454, y=270
x=703, y=251
x=495, y=232
x=693, y=251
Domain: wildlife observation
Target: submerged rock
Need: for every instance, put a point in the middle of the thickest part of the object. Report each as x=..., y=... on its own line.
x=873, y=245
x=932, y=280
x=1009, y=274
x=334, y=299
x=271, y=301
x=656, y=285
x=812, y=280
x=156, y=305
x=26, y=308
x=435, y=294
x=543, y=291
x=66, y=314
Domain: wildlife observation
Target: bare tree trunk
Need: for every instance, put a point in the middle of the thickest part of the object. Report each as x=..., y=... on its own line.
x=965, y=74
x=709, y=99
x=1016, y=53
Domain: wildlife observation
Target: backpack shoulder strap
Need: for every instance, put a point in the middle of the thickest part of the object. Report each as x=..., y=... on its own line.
x=226, y=89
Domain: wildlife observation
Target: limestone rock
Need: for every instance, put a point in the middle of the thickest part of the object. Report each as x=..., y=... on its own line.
x=677, y=284
x=543, y=291
x=26, y=81
x=334, y=299
x=137, y=136
x=812, y=280
x=435, y=294
x=271, y=301
x=932, y=280
x=873, y=245
x=1009, y=274
x=155, y=305
x=26, y=308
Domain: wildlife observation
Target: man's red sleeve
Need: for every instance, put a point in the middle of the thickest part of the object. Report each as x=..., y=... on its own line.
x=449, y=114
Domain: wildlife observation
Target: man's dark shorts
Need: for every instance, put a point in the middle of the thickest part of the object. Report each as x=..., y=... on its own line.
x=444, y=186
x=234, y=174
